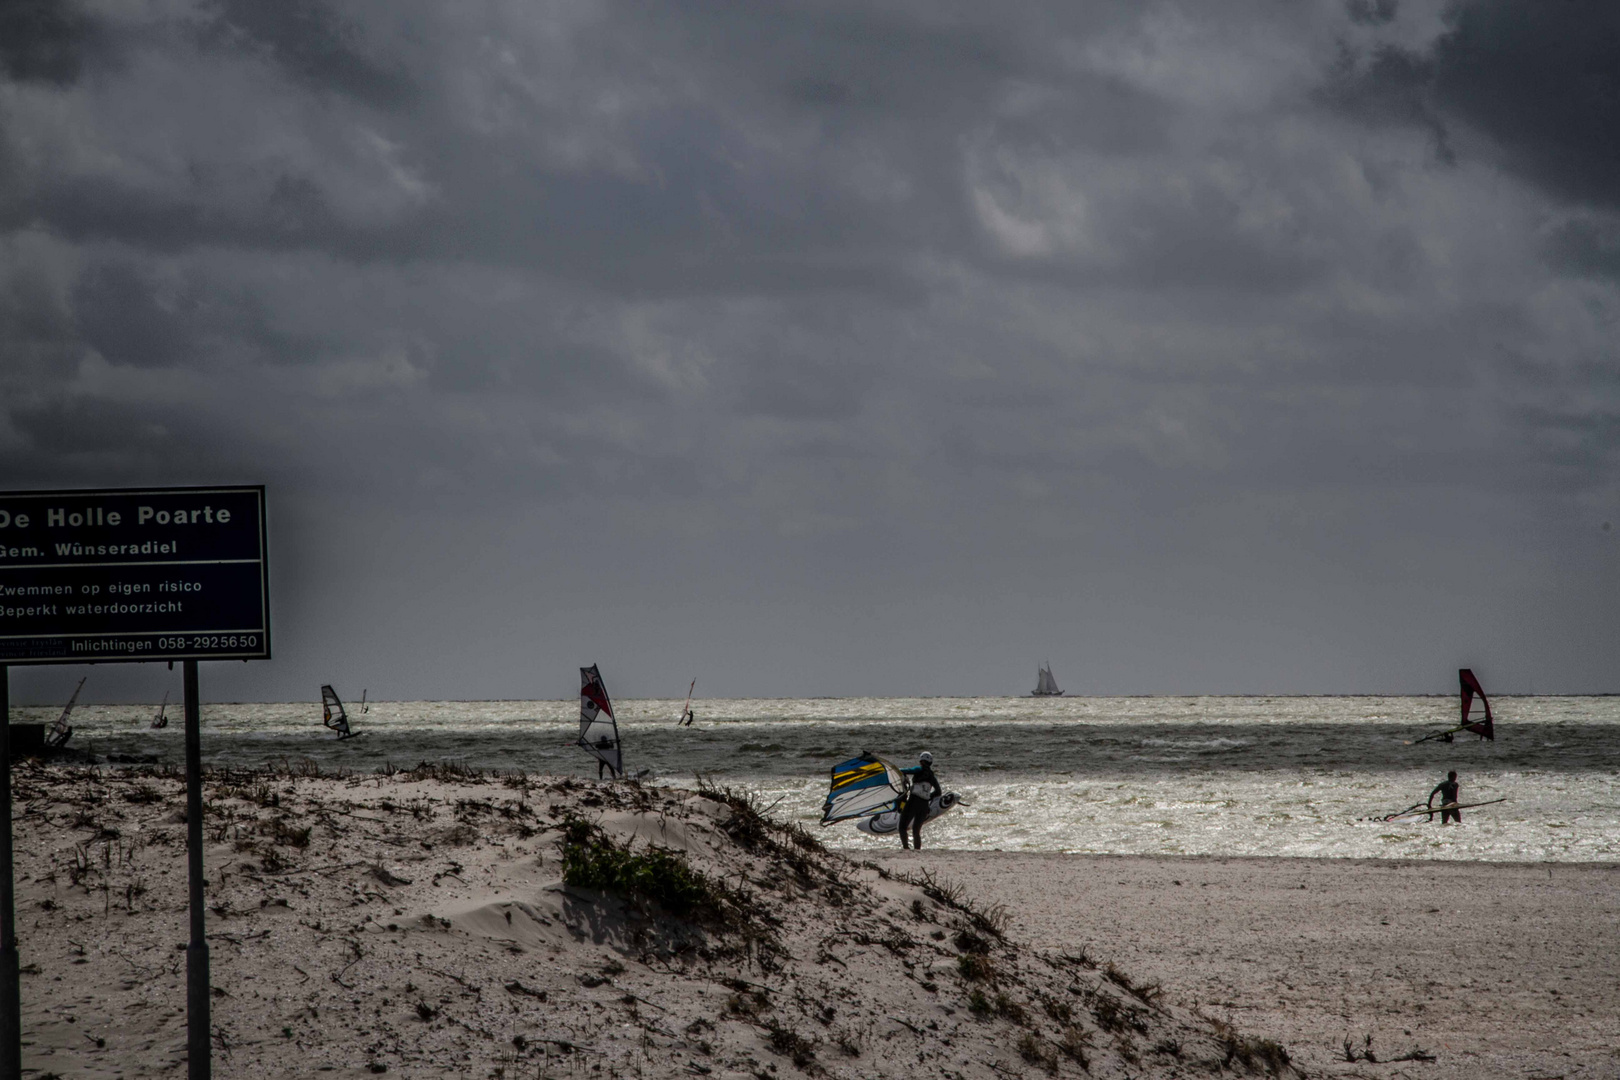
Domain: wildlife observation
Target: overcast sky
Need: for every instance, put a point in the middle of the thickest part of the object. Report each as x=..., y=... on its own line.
x=830, y=349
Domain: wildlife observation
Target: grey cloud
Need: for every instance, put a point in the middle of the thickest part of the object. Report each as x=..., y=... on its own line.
x=312, y=42
x=1541, y=82
x=1372, y=12
x=744, y=336
x=45, y=40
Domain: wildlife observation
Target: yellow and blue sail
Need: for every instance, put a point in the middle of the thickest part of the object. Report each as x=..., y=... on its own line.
x=861, y=787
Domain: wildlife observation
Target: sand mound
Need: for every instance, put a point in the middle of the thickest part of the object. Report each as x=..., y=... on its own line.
x=438, y=923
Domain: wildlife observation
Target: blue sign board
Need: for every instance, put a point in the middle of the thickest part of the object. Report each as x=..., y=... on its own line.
x=133, y=575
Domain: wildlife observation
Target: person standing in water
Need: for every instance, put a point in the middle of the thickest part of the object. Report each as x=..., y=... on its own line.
x=914, y=811
x=1447, y=790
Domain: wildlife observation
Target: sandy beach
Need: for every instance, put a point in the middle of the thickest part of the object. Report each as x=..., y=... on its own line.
x=1495, y=969
x=440, y=922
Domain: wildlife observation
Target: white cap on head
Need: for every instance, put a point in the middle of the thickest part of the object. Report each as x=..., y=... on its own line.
x=925, y=757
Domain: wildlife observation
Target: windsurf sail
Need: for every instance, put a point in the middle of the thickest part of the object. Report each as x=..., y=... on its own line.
x=159, y=720
x=333, y=715
x=598, y=730
x=1476, y=711
x=363, y=706
x=861, y=787
x=1477, y=720
x=686, y=710
x=1423, y=809
x=62, y=731
x=1045, y=685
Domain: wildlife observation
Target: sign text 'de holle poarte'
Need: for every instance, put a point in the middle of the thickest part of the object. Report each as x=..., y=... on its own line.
x=136, y=574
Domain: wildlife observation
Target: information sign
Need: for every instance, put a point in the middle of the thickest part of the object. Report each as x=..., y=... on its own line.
x=133, y=575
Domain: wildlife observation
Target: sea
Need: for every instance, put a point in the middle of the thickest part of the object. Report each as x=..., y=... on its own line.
x=1214, y=776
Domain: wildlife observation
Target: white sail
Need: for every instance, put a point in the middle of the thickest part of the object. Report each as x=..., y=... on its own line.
x=598, y=730
x=61, y=731
x=333, y=714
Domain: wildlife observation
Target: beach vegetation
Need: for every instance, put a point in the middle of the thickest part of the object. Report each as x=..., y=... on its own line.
x=791, y=1045
x=592, y=860
x=1169, y=1047
x=1146, y=993
x=747, y=1003
x=976, y=967
x=1036, y=1051
x=992, y=920
x=1114, y=1015
x=1250, y=1053
x=1010, y=1010
x=1075, y=1042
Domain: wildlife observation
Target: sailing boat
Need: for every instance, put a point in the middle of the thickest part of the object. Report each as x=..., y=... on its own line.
x=1045, y=685
x=160, y=720
x=599, y=737
x=62, y=731
x=1476, y=711
x=686, y=710
x=333, y=715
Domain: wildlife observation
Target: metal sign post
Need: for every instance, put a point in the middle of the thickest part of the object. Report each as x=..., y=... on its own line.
x=198, y=1061
x=10, y=991
x=119, y=576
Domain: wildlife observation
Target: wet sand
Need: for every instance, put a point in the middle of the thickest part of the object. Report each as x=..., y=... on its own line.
x=1496, y=969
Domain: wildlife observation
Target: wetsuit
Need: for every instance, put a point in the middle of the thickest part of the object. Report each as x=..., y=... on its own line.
x=1447, y=790
x=924, y=786
x=604, y=743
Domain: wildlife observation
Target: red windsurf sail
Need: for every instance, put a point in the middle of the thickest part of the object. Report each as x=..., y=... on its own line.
x=1476, y=708
x=598, y=730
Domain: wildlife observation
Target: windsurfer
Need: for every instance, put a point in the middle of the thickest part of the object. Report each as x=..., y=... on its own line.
x=1447, y=790
x=914, y=811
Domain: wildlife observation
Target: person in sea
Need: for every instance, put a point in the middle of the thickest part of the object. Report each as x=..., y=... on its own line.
x=914, y=811
x=1447, y=790
x=604, y=744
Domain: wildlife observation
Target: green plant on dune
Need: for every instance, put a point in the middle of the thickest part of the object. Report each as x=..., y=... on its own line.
x=592, y=860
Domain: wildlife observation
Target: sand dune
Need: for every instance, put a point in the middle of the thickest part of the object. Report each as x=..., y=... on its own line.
x=431, y=923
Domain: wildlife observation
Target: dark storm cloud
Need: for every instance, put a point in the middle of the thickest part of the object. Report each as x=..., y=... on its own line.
x=1540, y=81
x=312, y=42
x=44, y=40
x=745, y=337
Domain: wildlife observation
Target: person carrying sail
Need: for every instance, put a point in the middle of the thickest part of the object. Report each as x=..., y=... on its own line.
x=1447, y=789
x=914, y=811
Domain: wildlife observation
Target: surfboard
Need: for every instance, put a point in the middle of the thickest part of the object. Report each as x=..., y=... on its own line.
x=1428, y=810
x=888, y=822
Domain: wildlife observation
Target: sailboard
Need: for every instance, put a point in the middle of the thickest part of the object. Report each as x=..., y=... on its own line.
x=1476, y=711
x=1045, y=684
x=686, y=710
x=62, y=731
x=363, y=706
x=333, y=714
x=888, y=822
x=863, y=786
x=160, y=719
x=598, y=730
x=1430, y=811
